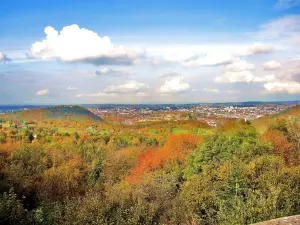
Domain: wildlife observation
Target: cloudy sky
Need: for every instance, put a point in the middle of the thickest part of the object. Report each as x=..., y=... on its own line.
x=142, y=51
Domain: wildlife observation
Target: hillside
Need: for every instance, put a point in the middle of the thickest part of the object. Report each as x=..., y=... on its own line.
x=264, y=122
x=70, y=113
x=290, y=220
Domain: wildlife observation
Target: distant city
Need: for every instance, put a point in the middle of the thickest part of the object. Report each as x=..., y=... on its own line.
x=132, y=114
x=208, y=113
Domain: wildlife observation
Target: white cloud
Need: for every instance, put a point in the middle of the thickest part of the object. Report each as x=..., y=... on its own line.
x=42, y=92
x=211, y=90
x=282, y=81
x=174, y=85
x=226, y=55
x=290, y=87
x=211, y=59
x=128, y=87
x=142, y=94
x=271, y=65
x=75, y=44
x=100, y=94
x=258, y=48
x=205, y=54
x=4, y=58
x=267, y=78
x=169, y=75
x=240, y=72
x=244, y=77
x=286, y=29
x=286, y=4
x=104, y=71
x=235, y=77
x=238, y=65
x=72, y=88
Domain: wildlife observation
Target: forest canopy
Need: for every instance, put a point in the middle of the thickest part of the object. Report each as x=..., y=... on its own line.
x=66, y=172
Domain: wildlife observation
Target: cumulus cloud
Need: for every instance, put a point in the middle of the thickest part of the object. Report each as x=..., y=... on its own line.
x=286, y=4
x=75, y=44
x=72, y=88
x=4, y=58
x=288, y=72
x=271, y=65
x=235, y=77
x=266, y=78
x=174, y=85
x=281, y=81
x=42, y=92
x=129, y=87
x=240, y=72
x=100, y=94
x=104, y=71
x=290, y=87
x=238, y=65
x=213, y=90
x=244, y=77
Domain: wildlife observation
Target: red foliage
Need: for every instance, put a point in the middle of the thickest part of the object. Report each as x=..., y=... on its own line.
x=176, y=148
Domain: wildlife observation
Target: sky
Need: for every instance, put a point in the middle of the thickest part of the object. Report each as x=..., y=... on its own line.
x=149, y=51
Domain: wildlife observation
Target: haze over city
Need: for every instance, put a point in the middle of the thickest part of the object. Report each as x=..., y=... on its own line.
x=71, y=52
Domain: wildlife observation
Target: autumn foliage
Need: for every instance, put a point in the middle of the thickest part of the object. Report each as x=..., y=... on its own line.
x=171, y=172
x=281, y=145
x=176, y=148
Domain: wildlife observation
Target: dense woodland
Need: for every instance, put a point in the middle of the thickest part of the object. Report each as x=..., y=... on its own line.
x=176, y=172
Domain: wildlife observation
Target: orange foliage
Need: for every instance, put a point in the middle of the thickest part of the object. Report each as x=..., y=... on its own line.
x=76, y=162
x=176, y=148
x=281, y=145
x=9, y=147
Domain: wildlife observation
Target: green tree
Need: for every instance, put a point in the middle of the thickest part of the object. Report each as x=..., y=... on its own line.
x=11, y=209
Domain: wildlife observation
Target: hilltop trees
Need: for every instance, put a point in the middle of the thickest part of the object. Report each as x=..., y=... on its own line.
x=236, y=178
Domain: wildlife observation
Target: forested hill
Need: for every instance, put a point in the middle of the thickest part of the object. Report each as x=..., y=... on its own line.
x=67, y=113
x=291, y=112
x=263, y=123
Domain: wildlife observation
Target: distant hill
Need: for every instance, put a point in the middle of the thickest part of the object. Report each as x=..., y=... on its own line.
x=264, y=122
x=290, y=112
x=289, y=220
x=255, y=103
x=73, y=113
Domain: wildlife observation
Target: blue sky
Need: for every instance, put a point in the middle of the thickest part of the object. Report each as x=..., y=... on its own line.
x=149, y=51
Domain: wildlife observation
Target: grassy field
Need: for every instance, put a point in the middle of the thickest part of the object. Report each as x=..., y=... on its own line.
x=180, y=131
